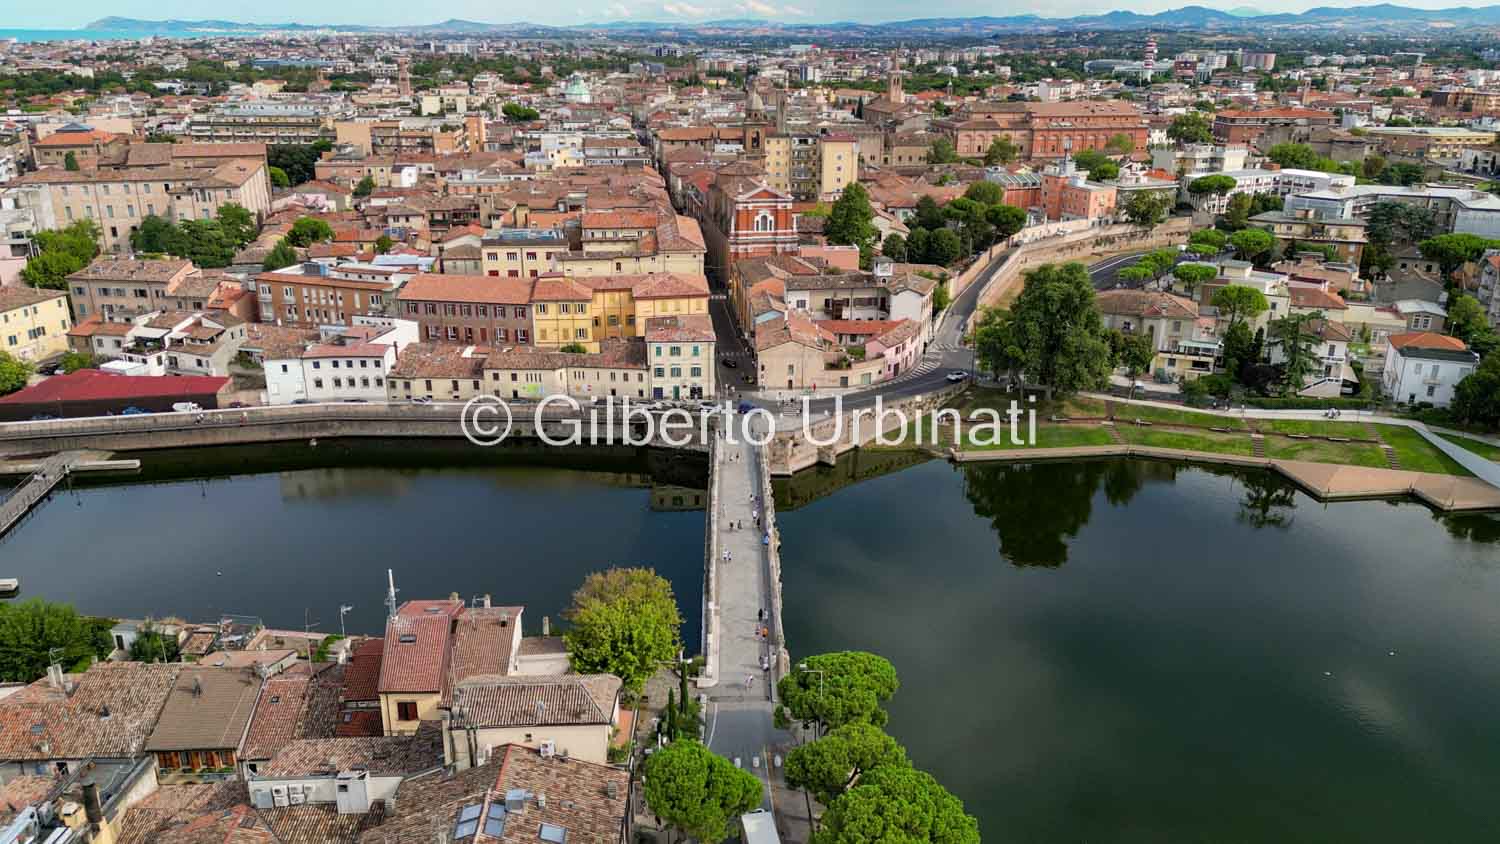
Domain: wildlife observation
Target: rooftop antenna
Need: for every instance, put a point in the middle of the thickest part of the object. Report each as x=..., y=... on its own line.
x=390, y=595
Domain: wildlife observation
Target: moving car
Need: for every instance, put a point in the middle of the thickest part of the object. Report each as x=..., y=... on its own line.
x=728, y=362
x=957, y=375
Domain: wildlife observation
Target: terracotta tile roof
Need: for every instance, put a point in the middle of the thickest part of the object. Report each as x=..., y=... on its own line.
x=295, y=706
x=1427, y=340
x=564, y=700
x=172, y=807
x=559, y=289
x=1312, y=297
x=1147, y=304
x=112, y=710
x=360, y=722
x=208, y=709
x=587, y=800
x=362, y=676
x=416, y=644
x=127, y=269
x=685, y=328
x=669, y=286
x=76, y=139
x=21, y=296
x=319, y=823
x=619, y=220
x=481, y=289
x=483, y=642
x=381, y=755
x=438, y=360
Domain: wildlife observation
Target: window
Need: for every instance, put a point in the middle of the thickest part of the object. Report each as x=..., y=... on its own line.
x=406, y=710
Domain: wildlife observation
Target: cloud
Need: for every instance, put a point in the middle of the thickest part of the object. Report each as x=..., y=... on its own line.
x=617, y=10
x=759, y=8
x=793, y=10
x=685, y=10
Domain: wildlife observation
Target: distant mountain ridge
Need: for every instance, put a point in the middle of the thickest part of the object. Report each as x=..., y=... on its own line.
x=1382, y=16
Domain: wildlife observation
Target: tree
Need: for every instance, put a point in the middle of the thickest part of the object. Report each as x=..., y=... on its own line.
x=1089, y=159
x=1132, y=351
x=1120, y=144
x=894, y=247
x=1298, y=156
x=13, y=373
x=829, y=766
x=941, y=299
x=1297, y=359
x=1452, y=251
x=1056, y=331
x=1006, y=219
x=1372, y=166
x=897, y=803
x=1002, y=150
x=297, y=161
x=238, y=224
x=1135, y=275
x=70, y=162
x=517, y=113
x=30, y=632
x=74, y=361
x=943, y=247
x=61, y=252
x=942, y=152
x=309, y=230
x=1394, y=223
x=203, y=242
x=1239, y=350
x=1190, y=128
x=1148, y=208
x=383, y=244
x=1250, y=244
x=574, y=348
x=985, y=193
x=1476, y=399
x=366, y=186
x=1239, y=303
x=1189, y=276
x=1237, y=213
x=849, y=221
x=280, y=257
x=279, y=178
x=152, y=645
x=1210, y=237
x=1159, y=261
x=1466, y=318
x=698, y=791
x=1218, y=184
x=1104, y=171
x=153, y=235
x=834, y=689
x=929, y=214
x=624, y=622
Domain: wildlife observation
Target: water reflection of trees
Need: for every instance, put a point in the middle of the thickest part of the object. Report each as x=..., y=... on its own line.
x=1475, y=527
x=1036, y=508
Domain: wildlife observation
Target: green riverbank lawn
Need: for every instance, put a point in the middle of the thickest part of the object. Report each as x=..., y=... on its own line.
x=1124, y=413
x=1316, y=428
x=1417, y=454
x=1204, y=441
x=1483, y=449
x=1047, y=436
x=1323, y=451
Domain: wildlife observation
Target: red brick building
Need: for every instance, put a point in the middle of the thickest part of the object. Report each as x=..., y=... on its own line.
x=1044, y=130
x=1245, y=127
x=472, y=309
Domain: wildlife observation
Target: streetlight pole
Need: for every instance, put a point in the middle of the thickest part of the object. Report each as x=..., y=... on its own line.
x=343, y=609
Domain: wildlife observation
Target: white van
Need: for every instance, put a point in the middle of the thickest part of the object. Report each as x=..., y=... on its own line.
x=187, y=407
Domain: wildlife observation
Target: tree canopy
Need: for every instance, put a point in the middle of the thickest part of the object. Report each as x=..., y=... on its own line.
x=31, y=630
x=1002, y=150
x=1476, y=399
x=897, y=803
x=1239, y=303
x=281, y=256
x=309, y=230
x=1452, y=251
x=698, y=791
x=1190, y=128
x=834, y=689
x=828, y=766
x=1250, y=244
x=1218, y=183
x=1055, y=333
x=850, y=221
x=624, y=622
x=14, y=372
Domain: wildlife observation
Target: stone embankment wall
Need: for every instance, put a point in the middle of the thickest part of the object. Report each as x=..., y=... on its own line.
x=1078, y=246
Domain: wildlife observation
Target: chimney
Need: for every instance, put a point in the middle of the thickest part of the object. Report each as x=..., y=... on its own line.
x=546, y=626
x=343, y=655
x=91, y=806
x=486, y=601
x=55, y=677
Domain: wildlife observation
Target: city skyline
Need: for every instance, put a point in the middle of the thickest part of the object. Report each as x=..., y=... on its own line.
x=393, y=13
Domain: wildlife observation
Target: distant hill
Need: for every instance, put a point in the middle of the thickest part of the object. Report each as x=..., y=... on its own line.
x=1383, y=17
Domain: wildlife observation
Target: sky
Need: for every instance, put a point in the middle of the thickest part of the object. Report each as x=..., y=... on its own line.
x=35, y=15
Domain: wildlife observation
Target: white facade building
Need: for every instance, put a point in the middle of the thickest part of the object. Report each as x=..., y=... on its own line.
x=1426, y=367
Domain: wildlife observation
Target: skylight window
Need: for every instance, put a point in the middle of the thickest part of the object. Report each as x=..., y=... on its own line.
x=552, y=834
x=468, y=822
x=494, y=821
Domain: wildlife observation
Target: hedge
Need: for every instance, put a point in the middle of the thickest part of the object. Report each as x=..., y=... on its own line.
x=1308, y=403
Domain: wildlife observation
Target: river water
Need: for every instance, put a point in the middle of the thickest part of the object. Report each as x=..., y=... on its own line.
x=1133, y=651
x=1106, y=651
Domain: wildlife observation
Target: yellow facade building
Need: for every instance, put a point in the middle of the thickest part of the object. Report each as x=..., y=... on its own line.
x=34, y=323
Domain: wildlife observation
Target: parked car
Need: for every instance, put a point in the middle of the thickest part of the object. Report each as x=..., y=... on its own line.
x=746, y=407
x=133, y=411
x=186, y=407
x=302, y=401
x=421, y=400
x=728, y=362
x=43, y=417
x=238, y=404
x=957, y=375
